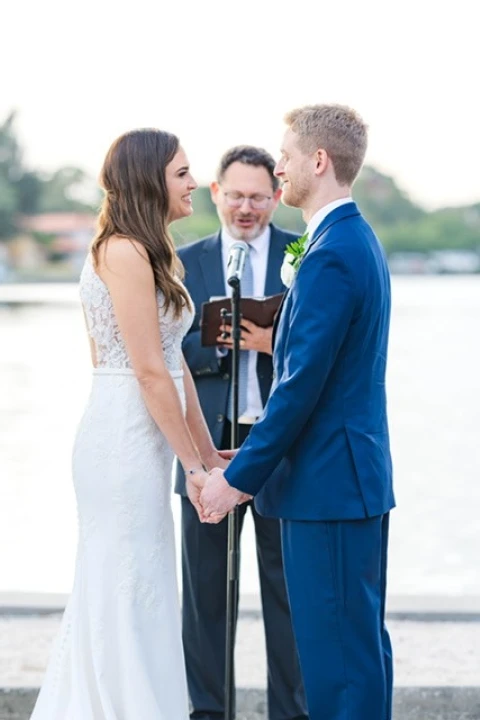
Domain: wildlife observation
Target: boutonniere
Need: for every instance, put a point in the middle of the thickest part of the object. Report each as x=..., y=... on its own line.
x=293, y=257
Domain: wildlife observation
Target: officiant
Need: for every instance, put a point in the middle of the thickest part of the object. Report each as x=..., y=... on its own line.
x=245, y=193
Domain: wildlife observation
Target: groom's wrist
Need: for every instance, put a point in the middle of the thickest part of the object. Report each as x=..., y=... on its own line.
x=240, y=480
x=232, y=482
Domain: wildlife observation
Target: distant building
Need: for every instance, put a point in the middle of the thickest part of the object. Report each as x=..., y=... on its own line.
x=456, y=261
x=65, y=235
x=25, y=254
x=411, y=263
x=72, y=231
x=435, y=262
x=4, y=263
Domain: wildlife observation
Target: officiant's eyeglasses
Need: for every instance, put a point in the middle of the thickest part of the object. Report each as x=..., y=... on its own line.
x=257, y=202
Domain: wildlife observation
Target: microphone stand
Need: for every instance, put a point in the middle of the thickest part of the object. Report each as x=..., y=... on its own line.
x=233, y=553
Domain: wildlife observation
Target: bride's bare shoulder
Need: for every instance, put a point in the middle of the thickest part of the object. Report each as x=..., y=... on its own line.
x=120, y=246
x=118, y=253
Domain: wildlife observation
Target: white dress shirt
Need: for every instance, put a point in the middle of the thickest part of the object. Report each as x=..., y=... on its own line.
x=259, y=248
x=321, y=214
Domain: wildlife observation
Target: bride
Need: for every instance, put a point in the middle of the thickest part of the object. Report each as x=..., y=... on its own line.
x=119, y=654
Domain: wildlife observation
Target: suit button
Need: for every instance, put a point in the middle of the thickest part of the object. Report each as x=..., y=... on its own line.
x=220, y=418
x=226, y=376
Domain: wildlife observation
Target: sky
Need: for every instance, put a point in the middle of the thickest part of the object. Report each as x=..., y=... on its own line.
x=221, y=73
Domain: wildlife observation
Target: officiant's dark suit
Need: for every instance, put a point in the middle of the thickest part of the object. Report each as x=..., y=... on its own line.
x=204, y=546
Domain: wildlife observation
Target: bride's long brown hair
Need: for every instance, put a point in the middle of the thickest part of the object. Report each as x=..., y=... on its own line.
x=136, y=203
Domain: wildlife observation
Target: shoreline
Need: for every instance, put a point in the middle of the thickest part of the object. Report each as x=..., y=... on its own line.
x=437, y=608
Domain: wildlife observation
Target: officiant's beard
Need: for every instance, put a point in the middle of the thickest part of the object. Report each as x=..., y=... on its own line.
x=246, y=234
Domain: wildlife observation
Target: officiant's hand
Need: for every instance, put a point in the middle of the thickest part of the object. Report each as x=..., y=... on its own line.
x=218, y=497
x=253, y=337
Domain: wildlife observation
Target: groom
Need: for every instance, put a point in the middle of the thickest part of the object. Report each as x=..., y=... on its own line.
x=324, y=431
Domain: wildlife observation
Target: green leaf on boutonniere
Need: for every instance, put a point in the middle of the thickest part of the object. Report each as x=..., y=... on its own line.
x=297, y=249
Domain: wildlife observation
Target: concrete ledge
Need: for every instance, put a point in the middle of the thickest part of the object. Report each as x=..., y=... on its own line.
x=423, y=608
x=22, y=603
x=449, y=703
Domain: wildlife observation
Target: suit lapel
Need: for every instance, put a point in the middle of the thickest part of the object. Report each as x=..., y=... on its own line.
x=211, y=264
x=276, y=250
x=273, y=283
x=277, y=319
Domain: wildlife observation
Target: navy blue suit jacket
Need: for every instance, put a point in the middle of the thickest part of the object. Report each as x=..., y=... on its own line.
x=204, y=278
x=324, y=432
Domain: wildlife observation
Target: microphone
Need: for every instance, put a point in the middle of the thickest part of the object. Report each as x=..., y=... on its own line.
x=236, y=262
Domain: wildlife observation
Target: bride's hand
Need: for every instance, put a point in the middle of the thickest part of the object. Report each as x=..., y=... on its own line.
x=227, y=454
x=218, y=458
x=194, y=484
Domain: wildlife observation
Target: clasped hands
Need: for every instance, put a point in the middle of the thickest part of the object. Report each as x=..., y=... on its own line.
x=210, y=494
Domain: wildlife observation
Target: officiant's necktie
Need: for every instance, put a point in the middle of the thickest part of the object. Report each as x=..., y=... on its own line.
x=247, y=291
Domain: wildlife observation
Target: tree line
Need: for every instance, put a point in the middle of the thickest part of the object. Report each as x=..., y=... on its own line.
x=400, y=223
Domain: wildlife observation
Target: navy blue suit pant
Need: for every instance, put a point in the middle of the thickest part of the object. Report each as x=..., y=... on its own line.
x=336, y=577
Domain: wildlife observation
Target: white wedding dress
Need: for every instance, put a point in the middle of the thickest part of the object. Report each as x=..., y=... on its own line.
x=119, y=652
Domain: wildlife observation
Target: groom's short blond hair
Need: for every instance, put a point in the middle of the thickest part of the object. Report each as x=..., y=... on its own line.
x=338, y=130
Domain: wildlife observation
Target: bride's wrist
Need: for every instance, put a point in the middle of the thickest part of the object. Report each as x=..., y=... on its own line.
x=192, y=471
x=192, y=466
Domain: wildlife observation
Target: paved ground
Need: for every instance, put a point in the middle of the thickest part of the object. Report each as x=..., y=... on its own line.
x=409, y=704
x=426, y=653
x=436, y=645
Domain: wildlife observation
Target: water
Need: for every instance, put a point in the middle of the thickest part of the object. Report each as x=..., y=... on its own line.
x=434, y=408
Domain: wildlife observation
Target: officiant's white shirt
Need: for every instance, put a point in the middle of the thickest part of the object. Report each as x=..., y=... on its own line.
x=259, y=258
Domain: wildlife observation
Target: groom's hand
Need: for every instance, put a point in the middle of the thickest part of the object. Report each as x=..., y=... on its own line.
x=218, y=497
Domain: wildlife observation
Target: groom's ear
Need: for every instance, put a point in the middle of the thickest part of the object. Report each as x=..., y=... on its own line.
x=321, y=161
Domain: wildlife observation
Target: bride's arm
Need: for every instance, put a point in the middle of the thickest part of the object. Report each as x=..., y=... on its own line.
x=125, y=269
x=197, y=425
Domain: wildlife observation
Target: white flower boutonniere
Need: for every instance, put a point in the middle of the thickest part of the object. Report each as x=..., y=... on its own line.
x=293, y=257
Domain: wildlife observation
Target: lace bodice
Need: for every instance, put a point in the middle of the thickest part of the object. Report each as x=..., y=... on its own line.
x=102, y=326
